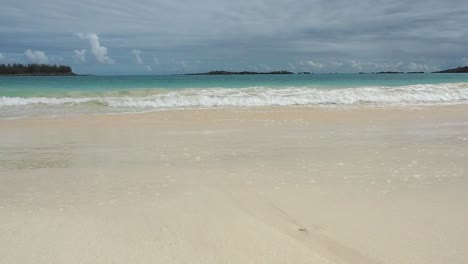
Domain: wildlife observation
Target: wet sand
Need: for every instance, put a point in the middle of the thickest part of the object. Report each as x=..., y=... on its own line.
x=256, y=185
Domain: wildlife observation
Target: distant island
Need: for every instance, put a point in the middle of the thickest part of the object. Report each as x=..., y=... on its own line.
x=393, y=72
x=238, y=73
x=35, y=70
x=389, y=72
x=455, y=70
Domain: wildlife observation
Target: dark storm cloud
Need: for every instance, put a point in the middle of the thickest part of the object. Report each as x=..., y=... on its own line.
x=322, y=36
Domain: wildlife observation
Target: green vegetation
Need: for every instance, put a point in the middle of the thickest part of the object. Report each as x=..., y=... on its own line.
x=238, y=73
x=35, y=69
x=459, y=69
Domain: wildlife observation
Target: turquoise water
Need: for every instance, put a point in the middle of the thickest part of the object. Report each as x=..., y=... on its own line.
x=22, y=96
x=96, y=85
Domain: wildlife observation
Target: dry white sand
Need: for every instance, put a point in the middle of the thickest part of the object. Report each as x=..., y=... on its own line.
x=261, y=185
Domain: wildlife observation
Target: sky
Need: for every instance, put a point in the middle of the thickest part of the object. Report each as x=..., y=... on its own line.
x=164, y=37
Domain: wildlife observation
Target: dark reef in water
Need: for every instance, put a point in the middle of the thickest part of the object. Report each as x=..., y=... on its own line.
x=35, y=70
x=239, y=73
x=455, y=70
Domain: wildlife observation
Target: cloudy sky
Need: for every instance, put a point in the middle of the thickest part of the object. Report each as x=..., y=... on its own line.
x=160, y=37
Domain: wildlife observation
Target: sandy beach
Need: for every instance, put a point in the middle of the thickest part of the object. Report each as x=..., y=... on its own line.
x=253, y=185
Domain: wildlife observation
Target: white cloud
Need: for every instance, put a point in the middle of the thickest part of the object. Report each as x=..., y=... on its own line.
x=183, y=64
x=2, y=57
x=139, y=60
x=374, y=66
x=137, y=53
x=80, y=55
x=356, y=65
x=265, y=67
x=36, y=56
x=155, y=60
x=337, y=64
x=312, y=64
x=420, y=67
x=100, y=52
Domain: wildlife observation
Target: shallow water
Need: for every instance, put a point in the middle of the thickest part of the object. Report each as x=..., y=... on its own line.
x=52, y=96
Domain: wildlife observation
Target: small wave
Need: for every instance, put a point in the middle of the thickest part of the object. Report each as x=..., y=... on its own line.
x=265, y=96
x=18, y=101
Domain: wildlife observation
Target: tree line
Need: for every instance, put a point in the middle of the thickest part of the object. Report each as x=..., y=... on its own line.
x=7, y=69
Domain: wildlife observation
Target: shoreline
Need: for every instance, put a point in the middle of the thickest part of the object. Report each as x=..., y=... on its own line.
x=313, y=111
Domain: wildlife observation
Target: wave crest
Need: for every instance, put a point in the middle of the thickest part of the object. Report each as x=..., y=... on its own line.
x=265, y=96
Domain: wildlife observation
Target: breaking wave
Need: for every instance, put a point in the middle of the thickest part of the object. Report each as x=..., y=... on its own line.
x=263, y=96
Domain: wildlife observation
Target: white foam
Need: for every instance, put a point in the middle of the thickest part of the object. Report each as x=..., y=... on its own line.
x=17, y=101
x=265, y=96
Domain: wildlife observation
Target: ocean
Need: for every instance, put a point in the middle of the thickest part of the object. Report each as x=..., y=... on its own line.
x=71, y=95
